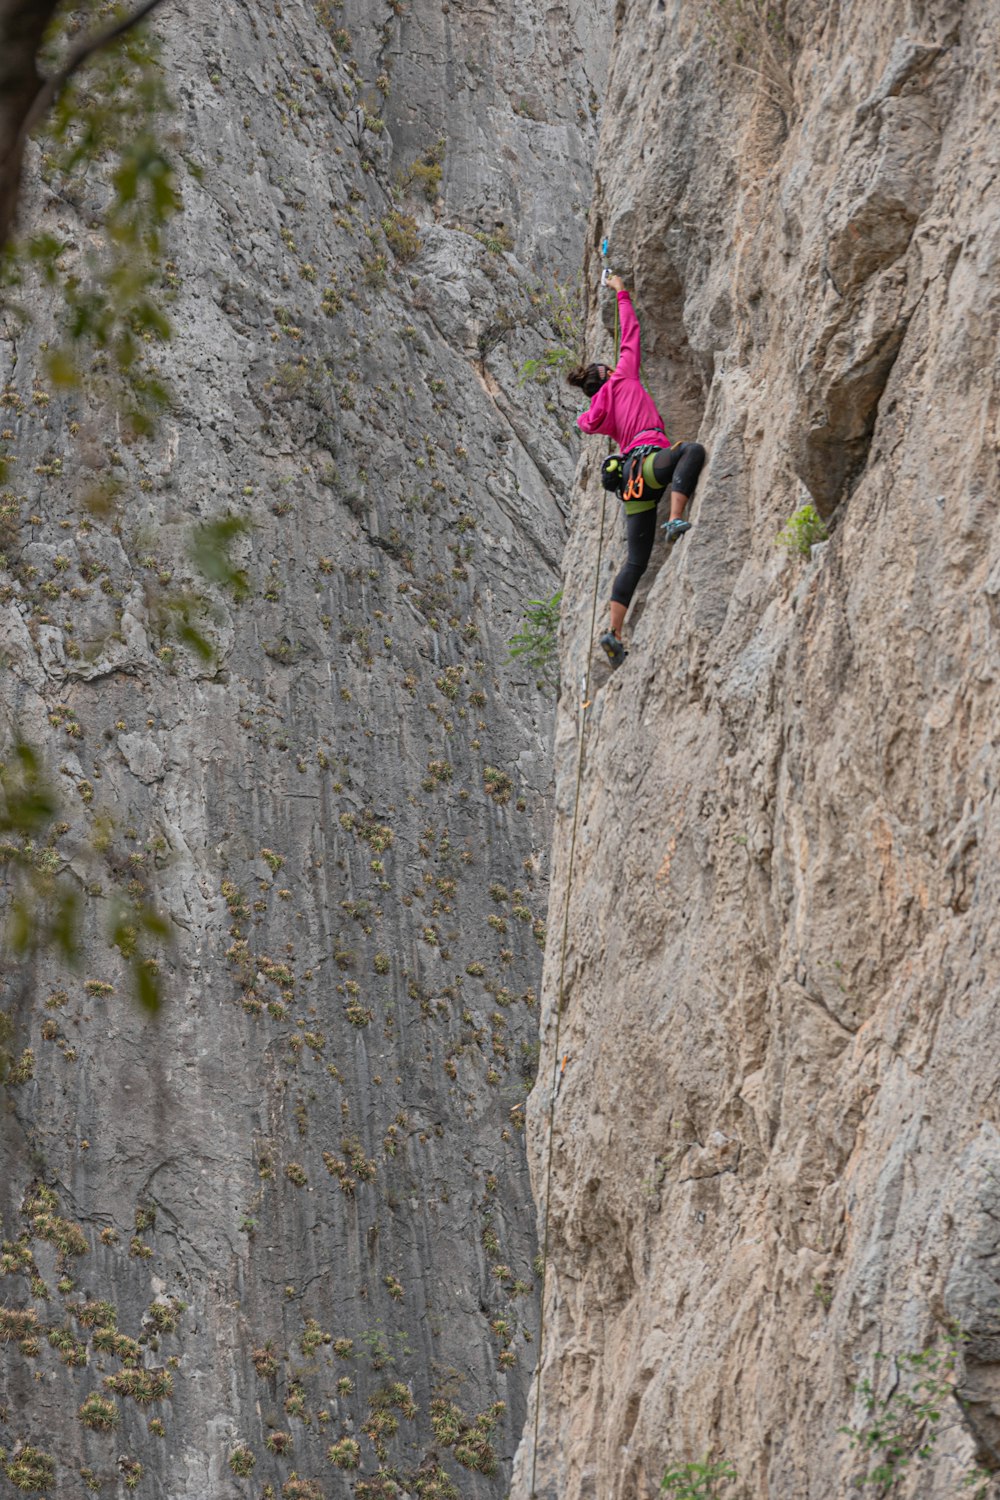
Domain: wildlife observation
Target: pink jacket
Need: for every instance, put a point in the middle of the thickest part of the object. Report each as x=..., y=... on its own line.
x=623, y=409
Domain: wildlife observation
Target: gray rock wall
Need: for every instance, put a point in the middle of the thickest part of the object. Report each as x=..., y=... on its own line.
x=302, y=1189
x=776, y=1142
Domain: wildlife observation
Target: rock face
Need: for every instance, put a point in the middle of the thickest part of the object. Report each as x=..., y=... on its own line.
x=776, y=1143
x=277, y=1225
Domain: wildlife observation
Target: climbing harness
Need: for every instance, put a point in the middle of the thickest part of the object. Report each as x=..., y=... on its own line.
x=585, y=701
x=621, y=473
x=633, y=482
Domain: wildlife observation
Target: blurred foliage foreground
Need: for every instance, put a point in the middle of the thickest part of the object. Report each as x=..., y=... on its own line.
x=106, y=148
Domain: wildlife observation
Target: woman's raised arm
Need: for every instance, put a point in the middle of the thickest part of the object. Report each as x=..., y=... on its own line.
x=629, y=352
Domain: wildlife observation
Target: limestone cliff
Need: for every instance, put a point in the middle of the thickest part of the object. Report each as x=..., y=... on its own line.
x=249, y=1246
x=776, y=1151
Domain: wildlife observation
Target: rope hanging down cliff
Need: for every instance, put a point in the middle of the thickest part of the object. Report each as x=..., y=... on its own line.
x=561, y=1062
x=623, y=410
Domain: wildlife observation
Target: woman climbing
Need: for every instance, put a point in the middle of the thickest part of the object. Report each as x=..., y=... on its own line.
x=622, y=409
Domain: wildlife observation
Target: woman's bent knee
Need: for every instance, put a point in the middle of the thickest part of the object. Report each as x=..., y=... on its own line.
x=689, y=464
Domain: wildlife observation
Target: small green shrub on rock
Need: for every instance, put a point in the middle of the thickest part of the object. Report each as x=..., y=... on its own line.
x=242, y=1461
x=144, y=1386
x=802, y=531
x=903, y=1426
x=403, y=235
x=295, y=1488
x=696, y=1481
x=98, y=1412
x=30, y=1469
x=346, y=1454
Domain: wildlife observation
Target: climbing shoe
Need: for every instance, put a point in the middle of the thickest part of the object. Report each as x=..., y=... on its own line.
x=613, y=648
x=673, y=529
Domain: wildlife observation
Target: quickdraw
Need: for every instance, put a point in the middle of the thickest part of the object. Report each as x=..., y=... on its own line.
x=636, y=484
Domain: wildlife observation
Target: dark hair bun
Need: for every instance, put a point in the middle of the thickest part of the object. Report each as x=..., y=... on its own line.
x=589, y=378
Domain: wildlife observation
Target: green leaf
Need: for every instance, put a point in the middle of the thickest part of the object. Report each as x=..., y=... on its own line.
x=100, y=499
x=148, y=990
x=210, y=553
x=152, y=922
x=65, y=925
x=61, y=369
x=29, y=802
x=21, y=927
x=126, y=180
x=199, y=643
x=537, y=642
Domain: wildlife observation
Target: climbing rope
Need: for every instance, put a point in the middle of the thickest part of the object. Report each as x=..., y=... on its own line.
x=560, y=1064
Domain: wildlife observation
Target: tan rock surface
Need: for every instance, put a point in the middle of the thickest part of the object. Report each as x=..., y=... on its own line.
x=776, y=1150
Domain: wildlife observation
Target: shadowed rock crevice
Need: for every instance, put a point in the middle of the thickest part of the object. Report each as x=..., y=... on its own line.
x=883, y=188
x=671, y=367
x=837, y=414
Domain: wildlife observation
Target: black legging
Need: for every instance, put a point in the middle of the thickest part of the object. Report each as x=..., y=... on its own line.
x=681, y=465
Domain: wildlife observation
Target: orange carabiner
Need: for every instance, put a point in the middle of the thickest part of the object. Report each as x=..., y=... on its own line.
x=633, y=490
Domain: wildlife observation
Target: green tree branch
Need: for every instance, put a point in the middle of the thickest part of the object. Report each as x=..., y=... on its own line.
x=26, y=95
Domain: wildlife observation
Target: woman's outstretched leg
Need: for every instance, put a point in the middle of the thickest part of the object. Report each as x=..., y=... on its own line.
x=641, y=533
